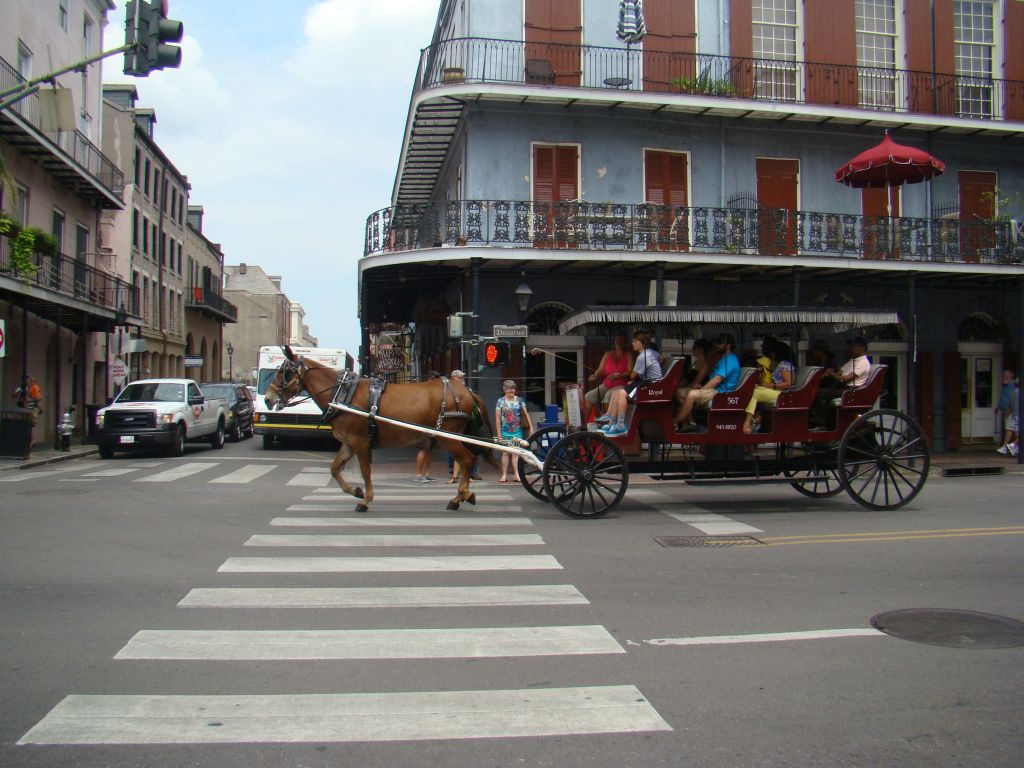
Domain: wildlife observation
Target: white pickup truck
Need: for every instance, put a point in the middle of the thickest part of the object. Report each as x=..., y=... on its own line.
x=160, y=412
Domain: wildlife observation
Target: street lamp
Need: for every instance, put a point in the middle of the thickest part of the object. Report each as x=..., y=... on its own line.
x=523, y=295
x=230, y=350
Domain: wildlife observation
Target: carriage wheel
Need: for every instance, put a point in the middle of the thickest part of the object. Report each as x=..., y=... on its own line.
x=585, y=475
x=541, y=442
x=883, y=459
x=816, y=482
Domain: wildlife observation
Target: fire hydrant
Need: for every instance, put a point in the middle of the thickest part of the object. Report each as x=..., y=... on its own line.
x=65, y=429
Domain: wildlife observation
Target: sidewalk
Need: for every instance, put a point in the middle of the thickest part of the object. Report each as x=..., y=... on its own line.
x=969, y=460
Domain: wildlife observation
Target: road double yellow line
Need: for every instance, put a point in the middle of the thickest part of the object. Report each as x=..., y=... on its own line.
x=853, y=538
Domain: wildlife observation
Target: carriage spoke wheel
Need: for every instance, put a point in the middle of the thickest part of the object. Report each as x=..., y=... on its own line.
x=883, y=459
x=541, y=442
x=585, y=475
x=816, y=481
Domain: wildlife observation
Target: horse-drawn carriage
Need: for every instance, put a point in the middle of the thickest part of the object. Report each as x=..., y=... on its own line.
x=879, y=456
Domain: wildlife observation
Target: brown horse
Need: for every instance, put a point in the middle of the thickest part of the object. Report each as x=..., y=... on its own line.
x=418, y=403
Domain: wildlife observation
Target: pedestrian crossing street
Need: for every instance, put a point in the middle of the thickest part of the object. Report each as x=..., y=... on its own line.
x=453, y=543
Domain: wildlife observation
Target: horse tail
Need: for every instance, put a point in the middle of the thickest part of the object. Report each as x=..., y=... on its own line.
x=477, y=450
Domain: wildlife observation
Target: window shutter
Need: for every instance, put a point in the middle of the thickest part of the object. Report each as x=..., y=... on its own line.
x=830, y=34
x=1014, y=59
x=544, y=174
x=567, y=172
x=926, y=95
x=670, y=43
x=741, y=40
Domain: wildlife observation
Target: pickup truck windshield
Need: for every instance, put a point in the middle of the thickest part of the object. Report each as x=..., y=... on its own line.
x=152, y=393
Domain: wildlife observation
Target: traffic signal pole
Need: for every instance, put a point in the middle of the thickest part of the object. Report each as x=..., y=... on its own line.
x=27, y=88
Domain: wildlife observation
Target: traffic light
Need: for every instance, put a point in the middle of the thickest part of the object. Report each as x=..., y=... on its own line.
x=496, y=353
x=149, y=31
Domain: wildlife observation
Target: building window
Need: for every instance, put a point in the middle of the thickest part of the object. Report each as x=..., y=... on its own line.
x=145, y=235
x=774, y=33
x=21, y=204
x=138, y=167
x=58, y=229
x=974, y=44
x=876, y=53
x=145, y=180
x=24, y=73
x=62, y=14
x=135, y=228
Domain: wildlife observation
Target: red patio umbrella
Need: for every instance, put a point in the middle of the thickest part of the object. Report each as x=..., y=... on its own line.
x=889, y=165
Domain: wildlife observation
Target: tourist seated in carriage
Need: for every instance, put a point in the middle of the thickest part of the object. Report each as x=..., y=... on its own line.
x=781, y=371
x=702, y=363
x=724, y=378
x=611, y=372
x=646, y=368
x=853, y=373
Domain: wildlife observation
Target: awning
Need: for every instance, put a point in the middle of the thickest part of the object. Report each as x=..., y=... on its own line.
x=839, y=318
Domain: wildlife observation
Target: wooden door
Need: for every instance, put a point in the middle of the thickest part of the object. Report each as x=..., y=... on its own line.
x=777, y=195
x=977, y=209
x=878, y=222
x=554, y=36
x=555, y=185
x=666, y=188
x=670, y=45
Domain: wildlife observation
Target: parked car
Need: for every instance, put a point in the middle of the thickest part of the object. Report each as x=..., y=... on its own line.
x=240, y=407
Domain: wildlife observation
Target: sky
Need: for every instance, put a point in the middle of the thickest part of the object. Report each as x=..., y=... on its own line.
x=287, y=118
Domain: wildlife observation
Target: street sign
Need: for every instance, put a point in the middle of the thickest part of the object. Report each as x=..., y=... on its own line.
x=512, y=331
x=3, y=340
x=118, y=370
x=193, y=361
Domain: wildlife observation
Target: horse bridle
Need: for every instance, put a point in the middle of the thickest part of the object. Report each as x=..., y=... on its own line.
x=292, y=369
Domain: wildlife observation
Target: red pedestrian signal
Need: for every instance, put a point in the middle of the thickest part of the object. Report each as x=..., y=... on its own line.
x=496, y=353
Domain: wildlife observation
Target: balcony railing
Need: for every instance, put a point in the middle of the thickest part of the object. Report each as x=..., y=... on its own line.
x=200, y=298
x=649, y=227
x=73, y=145
x=481, y=60
x=73, y=278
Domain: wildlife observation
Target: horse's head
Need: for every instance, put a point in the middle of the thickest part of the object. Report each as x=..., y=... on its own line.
x=287, y=382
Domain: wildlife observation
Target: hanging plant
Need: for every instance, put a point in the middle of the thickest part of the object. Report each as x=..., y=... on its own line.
x=43, y=242
x=22, y=250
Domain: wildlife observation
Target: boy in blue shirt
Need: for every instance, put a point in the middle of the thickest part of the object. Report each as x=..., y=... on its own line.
x=724, y=378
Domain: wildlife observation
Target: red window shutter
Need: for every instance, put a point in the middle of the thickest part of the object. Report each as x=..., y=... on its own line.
x=544, y=174
x=670, y=43
x=873, y=202
x=977, y=195
x=927, y=95
x=567, y=172
x=777, y=188
x=1014, y=59
x=554, y=35
x=741, y=39
x=830, y=34
x=665, y=178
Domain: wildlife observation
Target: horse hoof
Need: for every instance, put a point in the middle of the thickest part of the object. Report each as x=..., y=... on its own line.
x=453, y=506
x=358, y=493
x=471, y=499
x=362, y=508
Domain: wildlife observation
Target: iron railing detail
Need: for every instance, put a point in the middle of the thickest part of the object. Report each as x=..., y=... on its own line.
x=485, y=60
x=200, y=298
x=650, y=227
x=72, y=145
x=74, y=278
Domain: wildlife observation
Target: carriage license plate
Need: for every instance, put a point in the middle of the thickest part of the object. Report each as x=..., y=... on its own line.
x=127, y=439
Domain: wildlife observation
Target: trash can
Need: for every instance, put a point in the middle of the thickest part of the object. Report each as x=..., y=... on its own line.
x=550, y=417
x=15, y=432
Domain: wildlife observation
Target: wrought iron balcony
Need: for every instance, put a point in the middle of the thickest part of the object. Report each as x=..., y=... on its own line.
x=649, y=227
x=71, y=149
x=202, y=299
x=482, y=60
x=73, y=278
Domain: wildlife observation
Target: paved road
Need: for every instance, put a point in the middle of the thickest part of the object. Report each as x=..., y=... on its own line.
x=229, y=609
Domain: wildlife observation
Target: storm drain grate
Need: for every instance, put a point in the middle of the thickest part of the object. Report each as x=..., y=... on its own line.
x=708, y=541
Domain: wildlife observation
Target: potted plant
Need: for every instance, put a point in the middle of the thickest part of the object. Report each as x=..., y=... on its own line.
x=705, y=84
x=453, y=75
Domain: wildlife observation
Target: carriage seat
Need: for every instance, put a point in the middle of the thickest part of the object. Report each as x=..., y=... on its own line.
x=737, y=399
x=661, y=390
x=865, y=395
x=801, y=394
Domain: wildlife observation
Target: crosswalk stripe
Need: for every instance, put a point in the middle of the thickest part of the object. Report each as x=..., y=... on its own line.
x=178, y=472
x=22, y=475
x=444, y=492
x=390, y=564
x=346, y=717
x=396, y=540
x=340, y=644
x=311, y=479
x=114, y=472
x=381, y=597
x=372, y=522
x=712, y=524
x=347, y=504
x=246, y=474
x=316, y=469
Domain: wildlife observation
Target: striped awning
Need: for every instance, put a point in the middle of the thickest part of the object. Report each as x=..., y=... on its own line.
x=839, y=318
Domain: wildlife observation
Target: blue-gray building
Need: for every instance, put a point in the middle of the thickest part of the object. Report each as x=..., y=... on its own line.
x=696, y=168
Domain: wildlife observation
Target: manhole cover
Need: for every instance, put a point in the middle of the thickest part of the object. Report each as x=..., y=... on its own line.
x=950, y=628
x=707, y=541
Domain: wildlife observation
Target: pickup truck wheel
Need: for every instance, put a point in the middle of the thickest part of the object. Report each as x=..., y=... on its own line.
x=217, y=439
x=178, y=446
x=268, y=442
x=236, y=431
x=106, y=453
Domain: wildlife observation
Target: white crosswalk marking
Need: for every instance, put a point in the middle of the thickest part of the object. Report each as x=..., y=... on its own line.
x=311, y=479
x=398, y=540
x=22, y=475
x=432, y=505
x=178, y=472
x=114, y=472
x=246, y=474
x=389, y=564
x=373, y=522
x=381, y=597
x=350, y=717
x=712, y=524
x=309, y=644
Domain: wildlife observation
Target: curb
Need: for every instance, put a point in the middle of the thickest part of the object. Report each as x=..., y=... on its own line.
x=56, y=458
